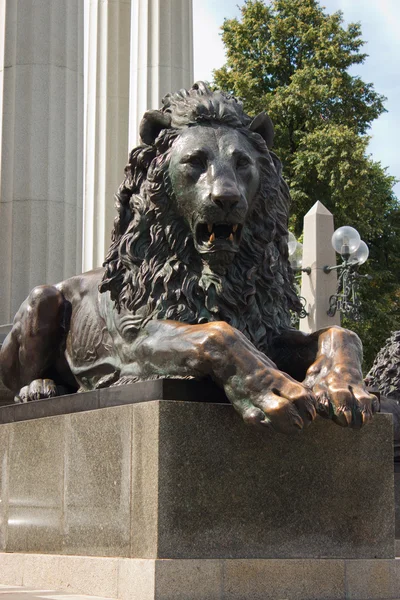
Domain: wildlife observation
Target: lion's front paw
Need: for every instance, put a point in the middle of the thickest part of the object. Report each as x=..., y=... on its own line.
x=36, y=390
x=282, y=403
x=344, y=400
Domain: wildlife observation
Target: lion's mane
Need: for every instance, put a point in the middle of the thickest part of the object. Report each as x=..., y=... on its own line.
x=152, y=268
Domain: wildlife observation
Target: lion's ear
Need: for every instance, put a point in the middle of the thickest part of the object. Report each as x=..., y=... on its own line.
x=262, y=125
x=152, y=123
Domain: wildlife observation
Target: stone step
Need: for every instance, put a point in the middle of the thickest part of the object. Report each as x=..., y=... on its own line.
x=14, y=592
x=200, y=579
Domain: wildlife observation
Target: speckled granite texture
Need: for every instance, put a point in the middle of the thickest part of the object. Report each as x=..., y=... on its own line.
x=202, y=579
x=189, y=480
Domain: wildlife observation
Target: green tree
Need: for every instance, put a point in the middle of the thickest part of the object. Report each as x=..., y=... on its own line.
x=291, y=58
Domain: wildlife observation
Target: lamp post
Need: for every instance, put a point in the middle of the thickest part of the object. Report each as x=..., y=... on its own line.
x=354, y=252
x=346, y=241
x=295, y=250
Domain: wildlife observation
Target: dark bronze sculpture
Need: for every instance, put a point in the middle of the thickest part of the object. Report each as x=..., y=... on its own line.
x=197, y=282
x=385, y=372
x=384, y=377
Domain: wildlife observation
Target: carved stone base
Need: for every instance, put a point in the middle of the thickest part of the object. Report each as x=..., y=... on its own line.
x=188, y=480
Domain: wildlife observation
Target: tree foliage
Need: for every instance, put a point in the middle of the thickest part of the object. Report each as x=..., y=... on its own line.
x=291, y=58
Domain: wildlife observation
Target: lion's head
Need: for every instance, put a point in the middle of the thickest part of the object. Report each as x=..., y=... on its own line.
x=201, y=233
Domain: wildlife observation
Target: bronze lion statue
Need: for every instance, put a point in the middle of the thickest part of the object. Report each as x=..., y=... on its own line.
x=196, y=284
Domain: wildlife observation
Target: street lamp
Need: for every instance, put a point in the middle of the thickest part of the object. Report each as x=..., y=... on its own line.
x=295, y=250
x=346, y=241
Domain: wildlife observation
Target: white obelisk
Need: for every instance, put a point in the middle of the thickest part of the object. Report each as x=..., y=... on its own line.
x=41, y=145
x=318, y=287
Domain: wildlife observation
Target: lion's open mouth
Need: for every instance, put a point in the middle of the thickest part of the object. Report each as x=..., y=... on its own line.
x=214, y=236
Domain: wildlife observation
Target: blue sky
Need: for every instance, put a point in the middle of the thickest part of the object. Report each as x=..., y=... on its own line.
x=380, y=22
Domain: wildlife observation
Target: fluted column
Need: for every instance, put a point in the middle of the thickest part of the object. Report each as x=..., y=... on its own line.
x=41, y=115
x=107, y=120
x=161, y=55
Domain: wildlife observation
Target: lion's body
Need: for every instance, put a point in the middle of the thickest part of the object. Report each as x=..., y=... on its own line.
x=196, y=283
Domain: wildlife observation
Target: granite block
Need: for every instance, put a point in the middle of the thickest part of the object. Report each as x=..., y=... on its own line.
x=143, y=391
x=163, y=389
x=194, y=579
x=61, y=405
x=4, y=440
x=97, y=482
x=227, y=491
x=94, y=576
x=7, y=414
x=145, y=475
x=397, y=500
x=41, y=571
x=36, y=478
x=11, y=568
x=284, y=579
x=199, y=579
x=188, y=480
x=396, y=576
x=136, y=579
x=371, y=579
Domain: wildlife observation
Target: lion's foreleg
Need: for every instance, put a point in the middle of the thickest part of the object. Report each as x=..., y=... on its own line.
x=34, y=342
x=257, y=389
x=336, y=378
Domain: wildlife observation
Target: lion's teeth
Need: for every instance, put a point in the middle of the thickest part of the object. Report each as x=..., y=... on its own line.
x=234, y=228
x=230, y=238
x=209, y=227
x=212, y=237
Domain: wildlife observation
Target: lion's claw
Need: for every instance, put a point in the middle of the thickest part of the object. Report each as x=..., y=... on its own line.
x=37, y=390
x=349, y=406
x=287, y=407
x=253, y=416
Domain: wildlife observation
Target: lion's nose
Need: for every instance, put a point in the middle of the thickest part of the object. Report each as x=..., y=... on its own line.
x=225, y=197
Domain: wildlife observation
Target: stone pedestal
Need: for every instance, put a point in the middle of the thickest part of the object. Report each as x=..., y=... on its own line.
x=41, y=131
x=187, y=480
x=152, y=499
x=397, y=506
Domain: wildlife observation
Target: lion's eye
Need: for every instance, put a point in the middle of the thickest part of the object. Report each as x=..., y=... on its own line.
x=196, y=161
x=242, y=162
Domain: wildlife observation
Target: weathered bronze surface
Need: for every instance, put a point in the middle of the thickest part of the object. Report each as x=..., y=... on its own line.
x=197, y=283
x=385, y=372
x=384, y=377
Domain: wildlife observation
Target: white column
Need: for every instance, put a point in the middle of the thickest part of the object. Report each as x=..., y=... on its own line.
x=107, y=122
x=161, y=55
x=318, y=287
x=41, y=110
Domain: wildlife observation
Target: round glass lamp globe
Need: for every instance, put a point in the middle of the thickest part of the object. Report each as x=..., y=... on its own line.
x=296, y=258
x=346, y=240
x=360, y=255
x=292, y=243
